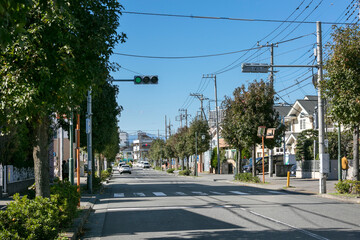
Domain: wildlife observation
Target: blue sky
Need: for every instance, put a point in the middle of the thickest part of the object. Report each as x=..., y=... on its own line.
x=145, y=106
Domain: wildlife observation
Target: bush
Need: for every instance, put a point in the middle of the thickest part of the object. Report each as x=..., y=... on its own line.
x=40, y=218
x=67, y=198
x=30, y=219
x=185, y=172
x=247, y=177
x=170, y=170
x=158, y=168
x=348, y=187
x=104, y=175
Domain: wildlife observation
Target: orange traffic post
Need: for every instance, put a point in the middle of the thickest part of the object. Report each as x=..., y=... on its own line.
x=288, y=179
x=263, y=164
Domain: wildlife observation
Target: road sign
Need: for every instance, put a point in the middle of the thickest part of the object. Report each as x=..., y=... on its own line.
x=255, y=68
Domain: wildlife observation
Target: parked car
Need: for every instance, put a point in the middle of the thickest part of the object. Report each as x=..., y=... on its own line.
x=258, y=169
x=125, y=169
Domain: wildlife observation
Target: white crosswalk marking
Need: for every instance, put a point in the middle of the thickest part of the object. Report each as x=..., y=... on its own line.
x=139, y=194
x=277, y=192
x=238, y=193
x=200, y=193
x=118, y=194
x=180, y=193
x=159, y=194
x=217, y=193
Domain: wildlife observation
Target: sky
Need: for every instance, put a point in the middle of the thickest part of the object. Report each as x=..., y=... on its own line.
x=145, y=106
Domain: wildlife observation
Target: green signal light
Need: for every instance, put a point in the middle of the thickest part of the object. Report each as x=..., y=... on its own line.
x=138, y=80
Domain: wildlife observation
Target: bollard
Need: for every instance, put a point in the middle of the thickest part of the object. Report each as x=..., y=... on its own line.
x=288, y=179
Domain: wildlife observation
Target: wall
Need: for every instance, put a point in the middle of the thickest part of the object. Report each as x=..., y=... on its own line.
x=20, y=186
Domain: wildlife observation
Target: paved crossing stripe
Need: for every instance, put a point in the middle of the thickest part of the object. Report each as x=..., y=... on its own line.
x=180, y=193
x=139, y=194
x=277, y=192
x=200, y=193
x=159, y=194
x=217, y=193
x=118, y=194
x=238, y=193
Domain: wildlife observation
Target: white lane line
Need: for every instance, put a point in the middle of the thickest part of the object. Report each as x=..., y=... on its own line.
x=159, y=194
x=200, y=193
x=139, y=194
x=217, y=193
x=180, y=193
x=239, y=193
x=119, y=195
x=288, y=225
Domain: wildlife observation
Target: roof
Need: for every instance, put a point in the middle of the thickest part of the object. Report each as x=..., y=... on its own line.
x=308, y=105
x=282, y=110
x=311, y=97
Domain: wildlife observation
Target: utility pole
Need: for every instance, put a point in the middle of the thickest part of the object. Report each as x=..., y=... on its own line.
x=165, y=128
x=201, y=98
x=185, y=115
x=89, y=140
x=180, y=118
x=324, y=158
x=196, y=155
x=170, y=128
x=71, y=158
x=217, y=119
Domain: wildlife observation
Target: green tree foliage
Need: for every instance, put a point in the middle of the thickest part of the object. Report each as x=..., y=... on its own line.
x=214, y=160
x=157, y=151
x=61, y=54
x=201, y=128
x=305, y=145
x=342, y=82
x=345, y=144
x=246, y=111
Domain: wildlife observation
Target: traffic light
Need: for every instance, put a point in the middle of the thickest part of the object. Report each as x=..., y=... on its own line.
x=146, y=80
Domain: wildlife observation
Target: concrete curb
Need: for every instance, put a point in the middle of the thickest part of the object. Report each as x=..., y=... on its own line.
x=78, y=223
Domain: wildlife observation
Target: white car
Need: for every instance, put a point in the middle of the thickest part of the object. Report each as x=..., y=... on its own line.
x=125, y=169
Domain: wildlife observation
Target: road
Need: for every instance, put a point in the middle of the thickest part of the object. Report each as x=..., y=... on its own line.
x=154, y=205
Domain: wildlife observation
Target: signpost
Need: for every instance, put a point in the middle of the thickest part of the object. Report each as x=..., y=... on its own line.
x=255, y=68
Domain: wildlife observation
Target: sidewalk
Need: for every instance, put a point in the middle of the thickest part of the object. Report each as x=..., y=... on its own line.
x=300, y=185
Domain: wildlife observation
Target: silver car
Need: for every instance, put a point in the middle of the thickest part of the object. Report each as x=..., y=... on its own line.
x=125, y=169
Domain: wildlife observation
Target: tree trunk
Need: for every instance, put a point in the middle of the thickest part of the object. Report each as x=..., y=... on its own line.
x=182, y=163
x=41, y=157
x=254, y=160
x=187, y=163
x=176, y=163
x=355, y=174
x=99, y=165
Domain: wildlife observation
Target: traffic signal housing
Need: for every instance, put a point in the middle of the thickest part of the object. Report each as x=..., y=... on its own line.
x=146, y=80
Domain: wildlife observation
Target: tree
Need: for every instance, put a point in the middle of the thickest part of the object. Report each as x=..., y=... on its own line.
x=157, y=151
x=342, y=83
x=181, y=145
x=198, y=137
x=62, y=53
x=305, y=145
x=106, y=111
x=248, y=110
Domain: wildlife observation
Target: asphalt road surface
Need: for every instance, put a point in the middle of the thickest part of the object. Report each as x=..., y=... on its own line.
x=154, y=205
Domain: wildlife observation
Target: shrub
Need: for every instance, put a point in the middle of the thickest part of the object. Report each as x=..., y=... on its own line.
x=348, y=187
x=247, y=177
x=185, y=172
x=170, y=170
x=158, y=168
x=67, y=198
x=104, y=175
x=30, y=219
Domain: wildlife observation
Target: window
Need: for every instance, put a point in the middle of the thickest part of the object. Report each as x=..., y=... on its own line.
x=302, y=123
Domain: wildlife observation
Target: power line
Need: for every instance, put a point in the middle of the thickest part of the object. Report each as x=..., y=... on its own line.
x=226, y=18
x=186, y=57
